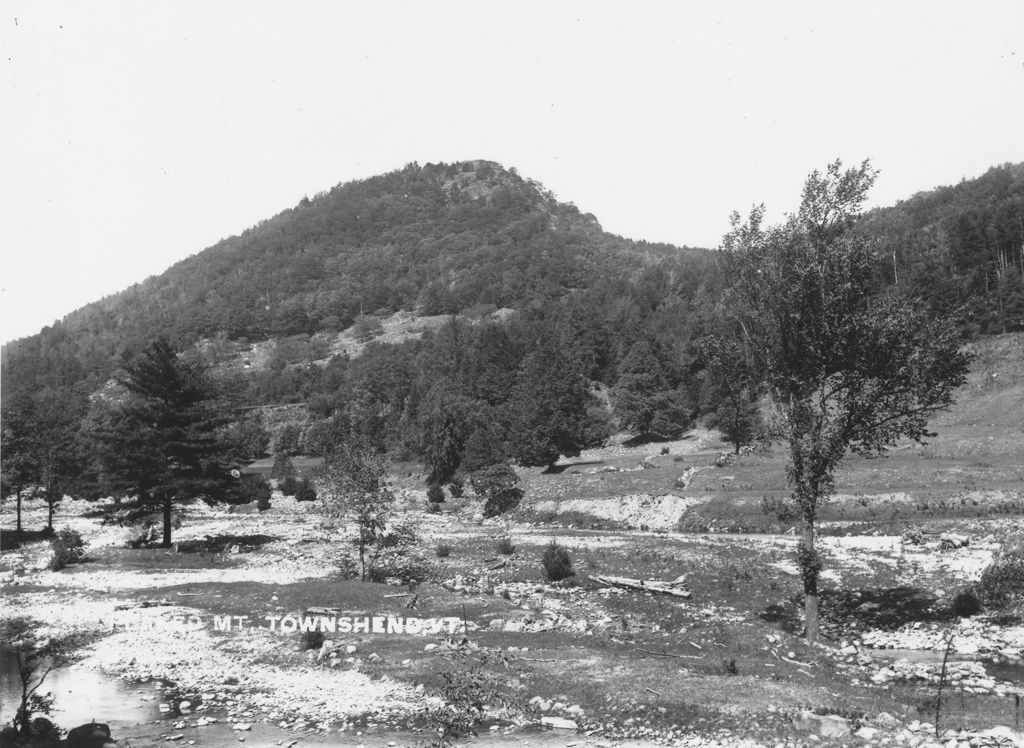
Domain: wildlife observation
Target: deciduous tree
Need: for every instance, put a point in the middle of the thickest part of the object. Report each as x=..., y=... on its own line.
x=352, y=485
x=849, y=368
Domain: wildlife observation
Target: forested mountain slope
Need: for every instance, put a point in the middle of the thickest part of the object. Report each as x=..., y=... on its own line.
x=437, y=239
x=960, y=245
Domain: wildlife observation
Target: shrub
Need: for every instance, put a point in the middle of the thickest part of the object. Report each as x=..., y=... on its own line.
x=456, y=488
x=498, y=484
x=781, y=508
x=1002, y=581
x=503, y=501
x=443, y=550
x=475, y=681
x=312, y=639
x=434, y=494
x=68, y=548
x=289, y=485
x=263, y=502
x=305, y=491
x=913, y=536
x=254, y=488
x=965, y=603
x=433, y=508
x=556, y=562
x=506, y=547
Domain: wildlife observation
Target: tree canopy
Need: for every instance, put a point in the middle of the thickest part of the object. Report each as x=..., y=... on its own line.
x=849, y=367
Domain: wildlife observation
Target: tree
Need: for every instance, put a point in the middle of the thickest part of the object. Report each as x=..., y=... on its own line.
x=445, y=423
x=849, y=368
x=161, y=436
x=548, y=408
x=646, y=400
x=19, y=466
x=353, y=487
x=735, y=387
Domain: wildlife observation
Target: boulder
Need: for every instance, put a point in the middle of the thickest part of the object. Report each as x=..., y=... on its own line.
x=948, y=541
x=559, y=723
x=824, y=725
x=886, y=721
x=92, y=735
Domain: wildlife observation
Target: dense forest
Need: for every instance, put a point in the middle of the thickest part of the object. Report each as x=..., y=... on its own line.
x=598, y=334
x=960, y=246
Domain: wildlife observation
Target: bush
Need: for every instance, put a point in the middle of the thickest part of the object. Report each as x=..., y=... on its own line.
x=434, y=494
x=254, y=488
x=312, y=639
x=443, y=550
x=68, y=548
x=503, y=501
x=505, y=547
x=913, y=536
x=289, y=485
x=456, y=488
x=263, y=502
x=305, y=491
x=498, y=484
x=556, y=562
x=782, y=509
x=965, y=603
x=1002, y=581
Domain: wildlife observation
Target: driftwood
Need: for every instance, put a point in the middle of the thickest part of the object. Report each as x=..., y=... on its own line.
x=676, y=588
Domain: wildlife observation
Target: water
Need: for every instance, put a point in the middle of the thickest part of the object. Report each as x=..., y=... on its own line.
x=1003, y=670
x=80, y=695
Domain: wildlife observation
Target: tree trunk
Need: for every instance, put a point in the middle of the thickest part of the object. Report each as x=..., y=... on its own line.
x=167, y=522
x=49, y=511
x=810, y=572
x=18, y=494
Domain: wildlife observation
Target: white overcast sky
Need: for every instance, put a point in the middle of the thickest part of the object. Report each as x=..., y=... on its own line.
x=138, y=133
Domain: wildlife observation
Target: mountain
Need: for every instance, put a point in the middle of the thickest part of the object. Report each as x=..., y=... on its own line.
x=416, y=309
x=438, y=239
x=391, y=258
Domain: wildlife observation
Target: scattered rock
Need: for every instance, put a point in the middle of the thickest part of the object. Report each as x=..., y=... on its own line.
x=823, y=725
x=950, y=541
x=558, y=723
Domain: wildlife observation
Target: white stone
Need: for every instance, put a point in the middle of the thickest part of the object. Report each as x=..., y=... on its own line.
x=559, y=723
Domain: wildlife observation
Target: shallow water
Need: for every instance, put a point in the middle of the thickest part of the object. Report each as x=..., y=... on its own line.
x=1011, y=671
x=80, y=695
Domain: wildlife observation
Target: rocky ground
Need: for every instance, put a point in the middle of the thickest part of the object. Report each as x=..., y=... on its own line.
x=597, y=663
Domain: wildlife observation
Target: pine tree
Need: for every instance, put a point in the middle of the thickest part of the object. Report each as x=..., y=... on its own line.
x=548, y=408
x=162, y=440
x=645, y=397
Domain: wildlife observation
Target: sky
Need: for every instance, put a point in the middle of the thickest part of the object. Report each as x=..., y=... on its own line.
x=137, y=134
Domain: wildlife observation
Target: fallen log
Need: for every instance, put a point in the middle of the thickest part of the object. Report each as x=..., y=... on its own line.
x=676, y=588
